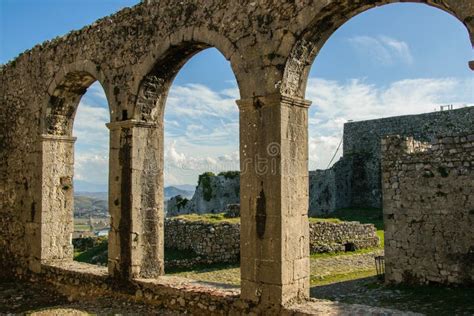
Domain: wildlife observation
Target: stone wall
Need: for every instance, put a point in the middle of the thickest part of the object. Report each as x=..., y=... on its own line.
x=355, y=180
x=216, y=242
x=220, y=242
x=339, y=237
x=429, y=209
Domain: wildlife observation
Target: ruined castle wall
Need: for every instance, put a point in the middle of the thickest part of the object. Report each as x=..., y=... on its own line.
x=429, y=209
x=220, y=242
x=355, y=180
x=213, y=193
x=363, y=139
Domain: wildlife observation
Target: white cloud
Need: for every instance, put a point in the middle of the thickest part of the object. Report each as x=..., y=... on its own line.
x=196, y=100
x=92, y=167
x=334, y=103
x=383, y=49
x=89, y=126
x=183, y=168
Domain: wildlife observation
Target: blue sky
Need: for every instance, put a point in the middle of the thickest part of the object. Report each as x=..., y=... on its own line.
x=369, y=68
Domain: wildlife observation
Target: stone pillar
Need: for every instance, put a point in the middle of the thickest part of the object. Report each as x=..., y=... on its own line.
x=274, y=199
x=136, y=237
x=54, y=215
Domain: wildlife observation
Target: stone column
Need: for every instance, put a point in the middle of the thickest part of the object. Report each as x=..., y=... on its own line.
x=274, y=199
x=54, y=214
x=136, y=200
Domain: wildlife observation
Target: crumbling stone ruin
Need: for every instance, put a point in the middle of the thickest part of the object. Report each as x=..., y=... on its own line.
x=213, y=194
x=220, y=242
x=135, y=54
x=428, y=201
x=356, y=180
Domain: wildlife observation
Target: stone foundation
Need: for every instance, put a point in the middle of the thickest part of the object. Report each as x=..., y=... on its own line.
x=429, y=210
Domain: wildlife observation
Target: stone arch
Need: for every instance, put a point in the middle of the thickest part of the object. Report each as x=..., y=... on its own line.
x=161, y=66
x=65, y=91
x=333, y=16
x=55, y=215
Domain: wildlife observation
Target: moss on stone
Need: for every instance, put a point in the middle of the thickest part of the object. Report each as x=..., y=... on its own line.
x=205, y=182
x=230, y=174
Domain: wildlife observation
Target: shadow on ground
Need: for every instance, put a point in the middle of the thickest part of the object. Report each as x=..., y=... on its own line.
x=429, y=300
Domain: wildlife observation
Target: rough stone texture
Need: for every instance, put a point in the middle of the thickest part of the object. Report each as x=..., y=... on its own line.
x=212, y=195
x=220, y=242
x=355, y=180
x=344, y=236
x=216, y=242
x=429, y=209
x=135, y=54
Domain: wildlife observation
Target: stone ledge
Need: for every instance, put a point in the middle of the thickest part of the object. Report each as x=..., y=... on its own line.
x=84, y=269
x=79, y=281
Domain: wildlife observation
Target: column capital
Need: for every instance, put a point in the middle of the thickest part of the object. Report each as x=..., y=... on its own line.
x=59, y=138
x=129, y=124
x=272, y=100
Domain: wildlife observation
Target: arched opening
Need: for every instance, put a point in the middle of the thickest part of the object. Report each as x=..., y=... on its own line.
x=201, y=160
x=364, y=82
x=198, y=155
x=91, y=165
x=64, y=168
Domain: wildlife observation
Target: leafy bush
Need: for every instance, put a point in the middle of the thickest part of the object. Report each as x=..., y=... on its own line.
x=205, y=181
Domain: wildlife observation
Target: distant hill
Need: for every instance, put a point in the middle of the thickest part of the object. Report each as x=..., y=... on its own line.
x=173, y=191
x=104, y=196
x=85, y=206
x=186, y=187
x=95, y=203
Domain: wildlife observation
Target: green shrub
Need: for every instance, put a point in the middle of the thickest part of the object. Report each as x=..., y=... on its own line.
x=230, y=174
x=205, y=181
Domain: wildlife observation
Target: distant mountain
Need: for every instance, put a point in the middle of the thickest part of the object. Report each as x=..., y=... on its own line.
x=95, y=195
x=85, y=206
x=186, y=187
x=92, y=203
x=173, y=191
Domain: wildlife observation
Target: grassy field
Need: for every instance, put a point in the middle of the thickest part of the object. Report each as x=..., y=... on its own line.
x=209, y=218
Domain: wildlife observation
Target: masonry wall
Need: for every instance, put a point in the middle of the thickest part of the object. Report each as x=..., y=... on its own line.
x=356, y=178
x=220, y=242
x=429, y=209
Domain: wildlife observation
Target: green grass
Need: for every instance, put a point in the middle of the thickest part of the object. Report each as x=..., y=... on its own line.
x=86, y=256
x=341, y=277
x=82, y=227
x=323, y=255
x=209, y=218
x=381, y=234
x=324, y=220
